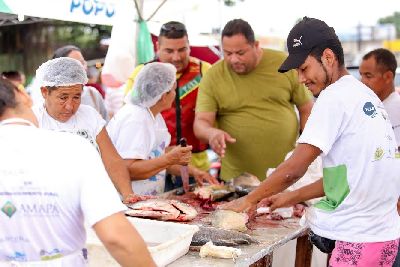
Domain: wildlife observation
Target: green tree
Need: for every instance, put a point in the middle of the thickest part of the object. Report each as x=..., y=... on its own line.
x=393, y=19
x=24, y=47
x=231, y=2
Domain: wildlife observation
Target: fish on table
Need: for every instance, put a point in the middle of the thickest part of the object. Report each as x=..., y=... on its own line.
x=220, y=237
x=162, y=209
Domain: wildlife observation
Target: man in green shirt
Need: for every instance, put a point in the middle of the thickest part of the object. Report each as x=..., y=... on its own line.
x=245, y=107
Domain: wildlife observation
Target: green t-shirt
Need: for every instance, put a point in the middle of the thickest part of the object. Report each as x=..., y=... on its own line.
x=256, y=109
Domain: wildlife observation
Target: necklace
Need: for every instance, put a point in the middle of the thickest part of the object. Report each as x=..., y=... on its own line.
x=16, y=121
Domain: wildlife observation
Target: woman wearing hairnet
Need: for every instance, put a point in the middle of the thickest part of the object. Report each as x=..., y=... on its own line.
x=45, y=200
x=140, y=135
x=61, y=81
x=90, y=95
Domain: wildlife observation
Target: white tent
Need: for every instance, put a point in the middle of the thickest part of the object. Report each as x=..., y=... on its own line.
x=121, y=14
x=85, y=11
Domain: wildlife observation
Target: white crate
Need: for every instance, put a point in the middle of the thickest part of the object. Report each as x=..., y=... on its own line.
x=166, y=241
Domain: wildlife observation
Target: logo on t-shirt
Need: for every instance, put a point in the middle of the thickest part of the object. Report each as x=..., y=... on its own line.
x=9, y=209
x=379, y=152
x=50, y=255
x=17, y=256
x=369, y=109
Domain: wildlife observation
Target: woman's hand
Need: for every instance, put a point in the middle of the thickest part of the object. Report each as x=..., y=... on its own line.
x=133, y=198
x=179, y=155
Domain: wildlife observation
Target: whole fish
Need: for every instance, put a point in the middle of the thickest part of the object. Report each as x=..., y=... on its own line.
x=220, y=237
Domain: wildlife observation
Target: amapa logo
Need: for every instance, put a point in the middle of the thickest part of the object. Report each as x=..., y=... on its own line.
x=42, y=209
x=9, y=209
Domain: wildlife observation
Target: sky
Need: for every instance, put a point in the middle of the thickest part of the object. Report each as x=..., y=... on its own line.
x=270, y=17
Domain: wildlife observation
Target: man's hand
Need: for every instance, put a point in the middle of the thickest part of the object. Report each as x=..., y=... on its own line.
x=281, y=200
x=242, y=204
x=203, y=176
x=179, y=155
x=217, y=140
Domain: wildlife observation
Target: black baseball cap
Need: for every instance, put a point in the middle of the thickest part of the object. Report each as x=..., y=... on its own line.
x=304, y=37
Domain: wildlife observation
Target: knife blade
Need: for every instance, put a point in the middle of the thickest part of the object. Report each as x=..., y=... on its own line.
x=184, y=169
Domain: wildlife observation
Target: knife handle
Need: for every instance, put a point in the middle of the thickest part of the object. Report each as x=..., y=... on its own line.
x=183, y=142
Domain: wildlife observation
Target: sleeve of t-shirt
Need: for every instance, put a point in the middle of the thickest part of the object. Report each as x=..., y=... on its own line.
x=324, y=125
x=99, y=198
x=206, y=99
x=133, y=140
x=94, y=118
x=300, y=93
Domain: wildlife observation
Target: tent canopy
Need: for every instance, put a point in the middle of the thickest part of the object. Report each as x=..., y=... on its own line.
x=85, y=11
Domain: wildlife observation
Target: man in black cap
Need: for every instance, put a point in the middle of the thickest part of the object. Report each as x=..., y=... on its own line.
x=357, y=221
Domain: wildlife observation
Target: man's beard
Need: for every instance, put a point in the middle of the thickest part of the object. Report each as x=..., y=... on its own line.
x=328, y=80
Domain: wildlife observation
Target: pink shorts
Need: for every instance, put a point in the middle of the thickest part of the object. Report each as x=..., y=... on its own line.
x=376, y=254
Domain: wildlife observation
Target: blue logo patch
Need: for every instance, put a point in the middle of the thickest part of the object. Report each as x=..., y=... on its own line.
x=369, y=109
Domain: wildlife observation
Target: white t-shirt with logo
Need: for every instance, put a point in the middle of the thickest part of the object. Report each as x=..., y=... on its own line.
x=392, y=106
x=361, y=174
x=48, y=188
x=86, y=122
x=137, y=134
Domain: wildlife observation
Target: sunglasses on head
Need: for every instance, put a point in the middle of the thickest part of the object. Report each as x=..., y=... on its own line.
x=176, y=27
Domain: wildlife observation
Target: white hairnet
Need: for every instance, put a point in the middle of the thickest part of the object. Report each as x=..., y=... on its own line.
x=62, y=71
x=153, y=80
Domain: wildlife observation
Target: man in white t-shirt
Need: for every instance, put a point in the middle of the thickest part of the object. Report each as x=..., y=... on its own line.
x=50, y=183
x=377, y=70
x=357, y=221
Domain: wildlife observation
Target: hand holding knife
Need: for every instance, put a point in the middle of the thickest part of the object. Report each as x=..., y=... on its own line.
x=184, y=169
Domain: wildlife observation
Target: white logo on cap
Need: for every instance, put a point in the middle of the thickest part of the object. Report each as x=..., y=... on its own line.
x=297, y=42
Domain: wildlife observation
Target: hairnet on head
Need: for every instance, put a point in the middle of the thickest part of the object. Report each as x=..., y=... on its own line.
x=62, y=71
x=152, y=81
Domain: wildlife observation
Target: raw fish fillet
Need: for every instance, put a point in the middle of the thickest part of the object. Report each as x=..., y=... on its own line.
x=246, y=179
x=211, y=250
x=278, y=214
x=187, y=212
x=213, y=192
x=153, y=214
x=229, y=220
x=162, y=209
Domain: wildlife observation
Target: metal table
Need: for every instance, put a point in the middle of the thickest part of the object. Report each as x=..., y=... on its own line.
x=271, y=235
x=259, y=254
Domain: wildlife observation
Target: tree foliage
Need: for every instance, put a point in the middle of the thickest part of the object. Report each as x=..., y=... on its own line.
x=231, y=2
x=24, y=47
x=393, y=19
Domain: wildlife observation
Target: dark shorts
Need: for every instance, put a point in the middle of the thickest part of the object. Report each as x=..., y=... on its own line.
x=326, y=245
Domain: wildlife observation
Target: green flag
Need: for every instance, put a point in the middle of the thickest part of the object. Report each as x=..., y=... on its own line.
x=4, y=8
x=144, y=48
